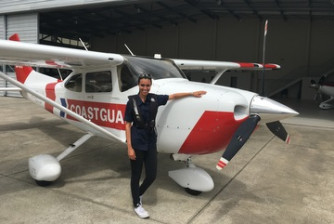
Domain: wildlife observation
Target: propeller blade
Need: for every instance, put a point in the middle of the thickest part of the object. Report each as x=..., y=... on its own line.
x=238, y=140
x=277, y=129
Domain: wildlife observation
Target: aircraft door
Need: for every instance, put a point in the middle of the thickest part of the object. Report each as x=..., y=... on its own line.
x=74, y=87
x=98, y=84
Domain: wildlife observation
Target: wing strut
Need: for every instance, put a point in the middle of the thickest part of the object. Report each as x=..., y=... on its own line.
x=61, y=108
x=74, y=146
x=218, y=75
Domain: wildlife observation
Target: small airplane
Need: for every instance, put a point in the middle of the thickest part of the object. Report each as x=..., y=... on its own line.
x=93, y=98
x=325, y=86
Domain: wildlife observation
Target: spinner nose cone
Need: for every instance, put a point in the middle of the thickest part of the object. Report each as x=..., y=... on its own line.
x=270, y=110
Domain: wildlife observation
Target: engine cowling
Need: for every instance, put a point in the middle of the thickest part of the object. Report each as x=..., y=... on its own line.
x=44, y=168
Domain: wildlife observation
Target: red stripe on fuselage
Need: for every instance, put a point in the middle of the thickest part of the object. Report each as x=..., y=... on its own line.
x=51, y=94
x=103, y=114
x=212, y=133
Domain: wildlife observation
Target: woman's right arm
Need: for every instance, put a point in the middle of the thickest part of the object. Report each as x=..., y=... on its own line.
x=131, y=151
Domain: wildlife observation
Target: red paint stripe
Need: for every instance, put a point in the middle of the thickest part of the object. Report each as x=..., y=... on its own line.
x=49, y=62
x=22, y=73
x=271, y=66
x=221, y=164
x=246, y=65
x=212, y=133
x=51, y=94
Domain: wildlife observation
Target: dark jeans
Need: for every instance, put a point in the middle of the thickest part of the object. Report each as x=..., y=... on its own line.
x=149, y=159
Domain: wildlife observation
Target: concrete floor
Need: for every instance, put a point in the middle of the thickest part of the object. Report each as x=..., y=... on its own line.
x=267, y=182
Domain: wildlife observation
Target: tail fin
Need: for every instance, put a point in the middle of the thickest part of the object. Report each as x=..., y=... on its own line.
x=22, y=72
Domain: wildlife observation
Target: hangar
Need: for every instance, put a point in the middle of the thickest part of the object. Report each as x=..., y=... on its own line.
x=294, y=187
x=299, y=38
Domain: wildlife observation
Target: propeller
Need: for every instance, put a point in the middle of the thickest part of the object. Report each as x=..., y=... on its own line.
x=266, y=110
x=242, y=134
x=277, y=129
x=238, y=140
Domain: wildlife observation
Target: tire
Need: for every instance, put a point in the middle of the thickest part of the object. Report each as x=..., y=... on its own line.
x=192, y=192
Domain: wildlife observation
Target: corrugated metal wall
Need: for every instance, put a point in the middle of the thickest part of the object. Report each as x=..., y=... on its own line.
x=2, y=36
x=26, y=25
x=10, y=6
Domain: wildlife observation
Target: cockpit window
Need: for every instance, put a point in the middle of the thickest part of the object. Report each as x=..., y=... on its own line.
x=74, y=83
x=97, y=82
x=127, y=79
x=135, y=66
x=158, y=69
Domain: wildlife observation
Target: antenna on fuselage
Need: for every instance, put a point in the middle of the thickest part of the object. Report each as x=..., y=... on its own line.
x=264, y=55
x=129, y=50
x=83, y=44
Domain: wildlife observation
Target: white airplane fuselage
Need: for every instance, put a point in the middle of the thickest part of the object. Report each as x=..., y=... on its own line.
x=94, y=97
x=187, y=126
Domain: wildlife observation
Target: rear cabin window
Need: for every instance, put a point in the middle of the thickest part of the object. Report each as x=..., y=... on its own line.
x=98, y=82
x=74, y=83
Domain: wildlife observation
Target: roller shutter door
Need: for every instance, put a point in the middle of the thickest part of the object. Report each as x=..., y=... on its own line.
x=26, y=25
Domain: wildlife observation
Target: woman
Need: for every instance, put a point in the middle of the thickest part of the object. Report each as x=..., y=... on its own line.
x=141, y=137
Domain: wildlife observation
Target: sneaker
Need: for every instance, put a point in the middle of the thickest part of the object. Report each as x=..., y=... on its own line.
x=141, y=212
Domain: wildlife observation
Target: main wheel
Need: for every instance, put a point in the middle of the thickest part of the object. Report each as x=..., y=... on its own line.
x=43, y=183
x=192, y=192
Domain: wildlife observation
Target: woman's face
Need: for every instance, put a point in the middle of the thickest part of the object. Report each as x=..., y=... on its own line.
x=144, y=86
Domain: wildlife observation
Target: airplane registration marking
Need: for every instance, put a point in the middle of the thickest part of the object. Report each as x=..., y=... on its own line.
x=103, y=114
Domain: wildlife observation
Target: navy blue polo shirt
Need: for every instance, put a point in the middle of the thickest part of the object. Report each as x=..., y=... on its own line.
x=143, y=138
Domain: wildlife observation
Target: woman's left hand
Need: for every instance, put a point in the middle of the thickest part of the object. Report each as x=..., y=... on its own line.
x=199, y=93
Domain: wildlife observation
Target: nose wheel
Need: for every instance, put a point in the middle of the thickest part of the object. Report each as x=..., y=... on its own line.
x=193, y=179
x=192, y=192
x=43, y=183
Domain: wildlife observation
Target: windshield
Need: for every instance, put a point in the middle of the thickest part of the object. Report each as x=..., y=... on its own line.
x=157, y=68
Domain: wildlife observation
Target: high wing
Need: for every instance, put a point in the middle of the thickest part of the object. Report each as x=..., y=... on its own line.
x=20, y=53
x=221, y=66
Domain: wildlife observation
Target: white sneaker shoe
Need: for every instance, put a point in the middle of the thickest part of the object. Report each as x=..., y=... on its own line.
x=141, y=212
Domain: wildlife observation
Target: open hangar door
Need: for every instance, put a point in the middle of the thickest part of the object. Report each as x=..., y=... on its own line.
x=298, y=37
x=212, y=30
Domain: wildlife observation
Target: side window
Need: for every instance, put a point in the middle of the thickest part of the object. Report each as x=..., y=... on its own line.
x=126, y=79
x=74, y=83
x=97, y=82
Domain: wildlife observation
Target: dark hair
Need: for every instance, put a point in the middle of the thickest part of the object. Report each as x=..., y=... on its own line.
x=144, y=76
